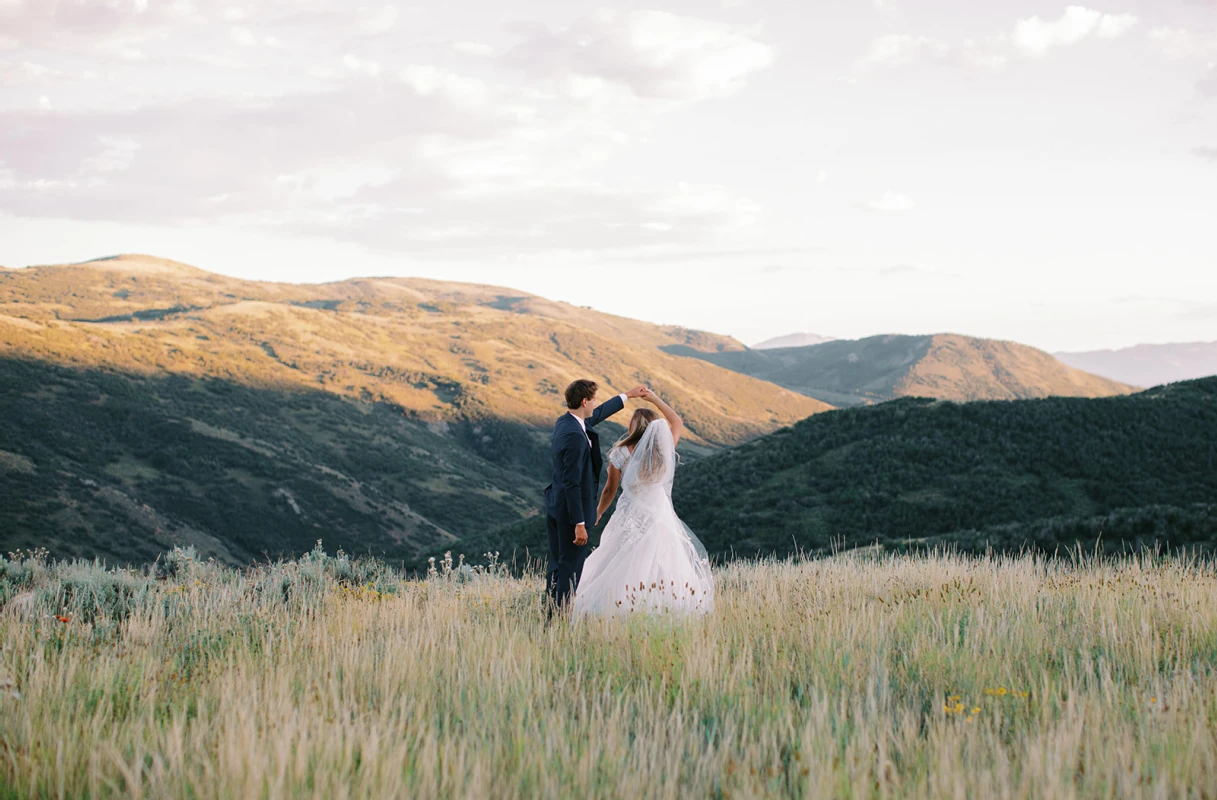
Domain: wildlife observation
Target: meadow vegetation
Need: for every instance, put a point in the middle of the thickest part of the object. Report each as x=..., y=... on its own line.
x=857, y=675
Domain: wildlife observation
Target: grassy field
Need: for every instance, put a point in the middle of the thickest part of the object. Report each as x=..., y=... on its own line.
x=855, y=676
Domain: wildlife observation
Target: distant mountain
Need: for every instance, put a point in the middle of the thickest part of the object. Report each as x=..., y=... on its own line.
x=1148, y=364
x=148, y=403
x=943, y=366
x=792, y=340
x=1048, y=474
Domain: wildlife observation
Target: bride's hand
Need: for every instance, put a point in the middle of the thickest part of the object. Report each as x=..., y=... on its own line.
x=648, y=395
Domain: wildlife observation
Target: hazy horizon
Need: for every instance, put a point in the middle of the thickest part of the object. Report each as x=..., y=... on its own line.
x=1030, y=171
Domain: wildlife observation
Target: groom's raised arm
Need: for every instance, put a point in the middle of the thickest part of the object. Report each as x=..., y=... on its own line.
x=606, y=410
x=572, y=478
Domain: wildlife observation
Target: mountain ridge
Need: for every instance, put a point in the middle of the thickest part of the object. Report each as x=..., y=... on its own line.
x=946, y=366
x=792, y=340
x=1148, y=364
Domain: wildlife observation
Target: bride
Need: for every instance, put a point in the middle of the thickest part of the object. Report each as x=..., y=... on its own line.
x=648, y=560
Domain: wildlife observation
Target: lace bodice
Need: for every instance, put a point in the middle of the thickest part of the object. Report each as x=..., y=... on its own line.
x=619, y=457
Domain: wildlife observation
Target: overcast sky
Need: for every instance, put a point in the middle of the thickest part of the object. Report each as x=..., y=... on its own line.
x=1019, y=169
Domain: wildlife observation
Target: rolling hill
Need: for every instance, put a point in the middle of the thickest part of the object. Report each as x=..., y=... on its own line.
x=792, y=340
x=942, y=366
x=1149, y=364
x=1043, y=474
x=149, y=403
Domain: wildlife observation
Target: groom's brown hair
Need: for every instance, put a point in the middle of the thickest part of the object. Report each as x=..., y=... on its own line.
x=579, y=391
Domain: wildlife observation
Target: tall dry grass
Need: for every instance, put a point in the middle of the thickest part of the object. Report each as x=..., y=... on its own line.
x=847, y=677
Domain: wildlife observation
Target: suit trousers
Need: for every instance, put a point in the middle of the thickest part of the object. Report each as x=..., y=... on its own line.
x=565, y=562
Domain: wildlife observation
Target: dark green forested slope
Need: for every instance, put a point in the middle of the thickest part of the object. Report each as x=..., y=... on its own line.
x=1028, y=472
x=1124, y=471
x=122, y=466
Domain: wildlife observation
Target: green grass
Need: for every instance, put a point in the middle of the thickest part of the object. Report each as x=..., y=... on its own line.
x=854, y=676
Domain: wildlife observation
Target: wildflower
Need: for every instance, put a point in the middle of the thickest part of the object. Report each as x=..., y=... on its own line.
x=64, y=620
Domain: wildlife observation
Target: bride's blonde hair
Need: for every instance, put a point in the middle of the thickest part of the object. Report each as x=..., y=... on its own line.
x=638, y=426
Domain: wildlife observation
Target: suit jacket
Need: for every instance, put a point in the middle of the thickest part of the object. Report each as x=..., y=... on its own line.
x=575, y=490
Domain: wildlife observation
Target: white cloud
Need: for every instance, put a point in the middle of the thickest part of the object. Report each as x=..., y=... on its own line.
x=243, y=36
x=429, y=80
x=1035, y=37
x=695, y=202
x=115, y=155
x=356, y=64
x=1208, y=84
x=27, y=73
x=655, y=53
x=475, y=49
x=1113, y=27
x=889, y=13
x=364, y=145
x=376, y=21
x=985, y=54
x=1183, y=44
x=896, y=50
x=890, y=202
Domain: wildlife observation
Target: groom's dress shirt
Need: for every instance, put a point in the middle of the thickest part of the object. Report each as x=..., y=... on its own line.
x=583, y=425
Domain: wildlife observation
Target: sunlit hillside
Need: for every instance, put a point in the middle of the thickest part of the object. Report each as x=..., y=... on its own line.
x=150, y=404
x=432, y=348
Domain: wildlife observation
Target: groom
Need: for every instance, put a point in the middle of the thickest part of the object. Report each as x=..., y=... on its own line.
x=570, y=501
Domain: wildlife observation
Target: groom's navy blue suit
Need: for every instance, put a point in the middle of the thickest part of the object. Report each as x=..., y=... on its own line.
x=573, y=495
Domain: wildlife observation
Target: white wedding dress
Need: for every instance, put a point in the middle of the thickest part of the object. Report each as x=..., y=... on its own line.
x=648, y=560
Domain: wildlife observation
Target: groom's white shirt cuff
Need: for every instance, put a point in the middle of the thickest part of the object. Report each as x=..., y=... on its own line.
x=624, y=399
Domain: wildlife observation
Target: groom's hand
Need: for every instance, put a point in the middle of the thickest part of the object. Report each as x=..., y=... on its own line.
x=581, y=534
x=636, y=392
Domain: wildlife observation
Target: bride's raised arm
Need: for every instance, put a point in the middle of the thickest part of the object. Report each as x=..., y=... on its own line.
x=674, y=421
